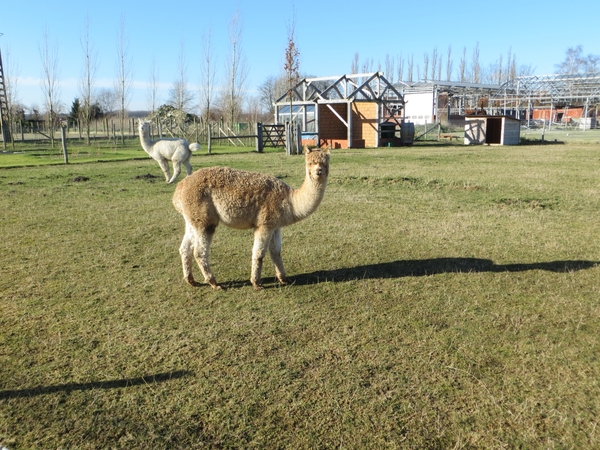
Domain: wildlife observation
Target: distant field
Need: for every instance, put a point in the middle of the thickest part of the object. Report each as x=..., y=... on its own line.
x=563, y=134
x=442, y=296
x=36, y=154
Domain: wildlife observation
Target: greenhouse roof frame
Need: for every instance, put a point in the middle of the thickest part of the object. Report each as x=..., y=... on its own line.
x=574, y=89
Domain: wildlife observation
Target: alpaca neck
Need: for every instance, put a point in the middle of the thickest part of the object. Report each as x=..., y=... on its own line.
x=147, y=143
x=307, y=198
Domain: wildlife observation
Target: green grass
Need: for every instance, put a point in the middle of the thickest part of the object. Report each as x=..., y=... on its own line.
x=442, y=297
x=38, y=154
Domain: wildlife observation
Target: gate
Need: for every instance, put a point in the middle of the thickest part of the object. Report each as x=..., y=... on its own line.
x=273, y=135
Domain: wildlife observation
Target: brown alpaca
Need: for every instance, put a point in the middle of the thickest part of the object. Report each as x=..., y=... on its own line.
x=244, y=200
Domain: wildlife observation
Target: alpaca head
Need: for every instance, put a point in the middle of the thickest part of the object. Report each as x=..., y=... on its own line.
x=317, y=164
x=144, y=127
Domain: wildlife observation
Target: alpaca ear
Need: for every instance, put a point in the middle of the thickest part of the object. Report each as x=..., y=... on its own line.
x=326, y=149
x=307, y=150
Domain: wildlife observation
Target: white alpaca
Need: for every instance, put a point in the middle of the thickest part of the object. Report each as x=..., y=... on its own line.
x=242, y=200
x=178, y=151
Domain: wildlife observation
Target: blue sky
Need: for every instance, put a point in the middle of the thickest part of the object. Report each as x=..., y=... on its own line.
x=328, y=35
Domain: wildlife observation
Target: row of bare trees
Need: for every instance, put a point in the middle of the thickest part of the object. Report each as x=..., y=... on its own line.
x=229, y=103
x=441, y=67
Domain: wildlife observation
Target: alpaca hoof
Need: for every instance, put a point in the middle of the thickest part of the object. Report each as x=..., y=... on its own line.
x=190, y=280
x=283, y=281
x=214, y=285
x=257, y=287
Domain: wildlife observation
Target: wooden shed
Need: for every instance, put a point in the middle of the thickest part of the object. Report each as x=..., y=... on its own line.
x=492, y=130
x=349, y=111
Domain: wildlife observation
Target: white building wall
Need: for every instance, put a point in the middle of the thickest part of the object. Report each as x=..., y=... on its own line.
x=419, y=107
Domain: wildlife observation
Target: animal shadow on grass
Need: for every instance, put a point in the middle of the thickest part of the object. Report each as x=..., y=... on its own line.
x=108, y=384
x=434, y=266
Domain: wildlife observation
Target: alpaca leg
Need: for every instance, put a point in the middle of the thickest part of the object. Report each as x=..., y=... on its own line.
x=201, y=253
x=275, y=252
x=262, y=238
x=186, y=250
x=188, y=166
x=164, y=165
x=176, y=170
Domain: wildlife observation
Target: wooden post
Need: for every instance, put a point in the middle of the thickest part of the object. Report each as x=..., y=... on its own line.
x=259, y=137
x=63, y=136
x=350, y=135
x=299, y=139
x=288, y=139
x=209, y=139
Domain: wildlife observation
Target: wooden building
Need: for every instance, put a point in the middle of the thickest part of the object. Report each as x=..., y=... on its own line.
x=492, y=130
x=344, y=111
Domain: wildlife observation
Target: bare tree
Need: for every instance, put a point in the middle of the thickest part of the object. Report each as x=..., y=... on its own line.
x=425, y=66
x=389, y=67
x=124, y=81
x=180, y=96
x=475, y=65
x=367, y=66
x=152, y=93
x=400, y=67
x=107, y=100
x=576, y=62
x=495, y=72
x=354, y=68
x=573, y=60
x=236, y=71
x=449, y=64
x=208, y=73
x=11, y=84
x=88, y=78
x=409, y=76
x=434, y=63
x=254, y=110
x=50, y=80
x=462, y=67
x=592, y=63
x=268, y=94
x=292, y=62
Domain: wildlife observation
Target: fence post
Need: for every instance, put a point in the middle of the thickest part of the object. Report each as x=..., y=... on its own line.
x=298, y=139
x=288, y=139
x=259, y=137
x=209, y=139
x=63, y=136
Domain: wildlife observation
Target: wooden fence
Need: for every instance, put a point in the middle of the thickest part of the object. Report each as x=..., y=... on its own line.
x=263, y=135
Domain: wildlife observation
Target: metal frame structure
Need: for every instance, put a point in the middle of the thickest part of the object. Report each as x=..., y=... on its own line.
x=517, y=97
x=349, y=88
x=578, y=89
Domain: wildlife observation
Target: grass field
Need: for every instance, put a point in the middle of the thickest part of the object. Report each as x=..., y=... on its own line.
x=41, y=154
x=442, y=297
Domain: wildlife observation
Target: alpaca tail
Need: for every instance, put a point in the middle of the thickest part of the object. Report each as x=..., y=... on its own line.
x=195, y=146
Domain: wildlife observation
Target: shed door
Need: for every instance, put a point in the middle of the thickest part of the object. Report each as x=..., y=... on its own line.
x=494, y=130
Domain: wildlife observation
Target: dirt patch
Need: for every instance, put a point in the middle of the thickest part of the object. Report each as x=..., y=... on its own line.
x=79, y=179
x=151, y=178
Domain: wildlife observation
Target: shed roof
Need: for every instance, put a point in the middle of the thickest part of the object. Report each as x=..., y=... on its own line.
x=344, y=88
